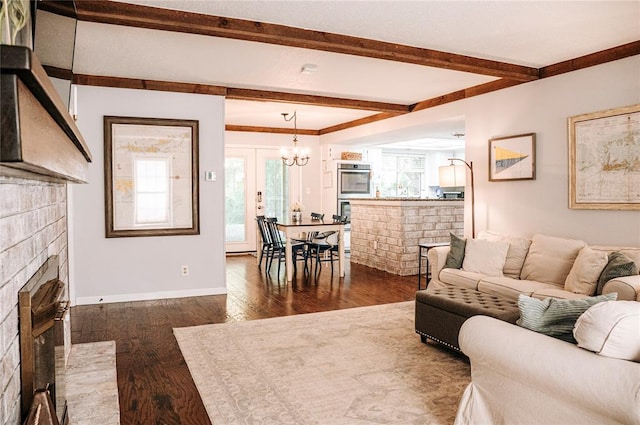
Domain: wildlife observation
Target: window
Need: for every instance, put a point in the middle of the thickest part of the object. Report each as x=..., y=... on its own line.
x=402, y=175
x=152, y=191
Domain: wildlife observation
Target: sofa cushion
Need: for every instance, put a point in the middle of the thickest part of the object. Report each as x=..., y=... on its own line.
x=455, y=256
x=619, y=265
x=553, y=317
x=631, y=252
x=485, y=256
x=511, y=288
x=550, y=259
x=461, y=278
x=627, y=287
x=518, y=248
x=583, y=277
x=611, y=329
x=555, y=292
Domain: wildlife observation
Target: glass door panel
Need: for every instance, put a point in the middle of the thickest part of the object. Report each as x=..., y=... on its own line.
x=256, y=183
x=240, y=205
x=276, y=185
x=235, y=205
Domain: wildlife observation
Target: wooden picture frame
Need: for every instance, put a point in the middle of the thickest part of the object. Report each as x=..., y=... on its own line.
x=151, y=177
x=512, y=157
x=604, y=159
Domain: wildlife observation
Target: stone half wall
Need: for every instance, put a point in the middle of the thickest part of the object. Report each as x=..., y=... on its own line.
x=385, y=233
x=33, y=226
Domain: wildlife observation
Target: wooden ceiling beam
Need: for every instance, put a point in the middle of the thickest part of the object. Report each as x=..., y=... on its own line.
x=603, y=56
x=464, y=94
x=117, y=13
x=142, y=84
x=358, y=122
x=274, y=130
x=309, y=99
x=237, y=93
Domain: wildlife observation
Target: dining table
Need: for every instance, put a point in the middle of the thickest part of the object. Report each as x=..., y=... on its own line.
x=298, y=229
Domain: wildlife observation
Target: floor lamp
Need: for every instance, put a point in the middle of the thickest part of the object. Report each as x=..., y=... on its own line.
x=456, y=176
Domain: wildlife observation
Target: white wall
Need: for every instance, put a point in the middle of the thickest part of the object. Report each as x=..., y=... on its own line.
x=137, y=268
x=541, y=107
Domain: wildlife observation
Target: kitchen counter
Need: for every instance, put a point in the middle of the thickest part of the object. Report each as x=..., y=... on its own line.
x=386, y=232
x=419, y=201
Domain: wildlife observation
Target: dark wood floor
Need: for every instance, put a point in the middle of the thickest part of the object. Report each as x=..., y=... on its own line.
x=154, y=383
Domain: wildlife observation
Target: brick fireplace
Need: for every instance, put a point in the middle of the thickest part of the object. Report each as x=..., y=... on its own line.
x=33, y=227
x=41, y=150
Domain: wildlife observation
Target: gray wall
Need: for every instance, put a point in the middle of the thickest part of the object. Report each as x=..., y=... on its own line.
x=138, y=268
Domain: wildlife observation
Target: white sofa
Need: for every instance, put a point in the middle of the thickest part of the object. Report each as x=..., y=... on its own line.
x=538, y=268
x=522, y=377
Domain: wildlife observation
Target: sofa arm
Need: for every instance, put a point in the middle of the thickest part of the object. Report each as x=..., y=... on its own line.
x=627, y=287
x=437, y=256
x=544, y=377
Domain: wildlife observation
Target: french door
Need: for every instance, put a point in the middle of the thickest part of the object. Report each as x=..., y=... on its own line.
x=256, y=183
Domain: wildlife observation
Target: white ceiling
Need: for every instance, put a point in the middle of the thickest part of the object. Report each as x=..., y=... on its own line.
x=529, y=33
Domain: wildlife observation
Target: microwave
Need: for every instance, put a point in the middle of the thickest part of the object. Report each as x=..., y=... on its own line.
x=354, y=180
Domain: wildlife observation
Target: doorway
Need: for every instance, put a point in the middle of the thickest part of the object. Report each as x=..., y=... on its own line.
x=256, y=183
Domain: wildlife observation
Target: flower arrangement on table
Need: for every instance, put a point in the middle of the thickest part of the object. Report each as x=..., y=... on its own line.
x=296, y=211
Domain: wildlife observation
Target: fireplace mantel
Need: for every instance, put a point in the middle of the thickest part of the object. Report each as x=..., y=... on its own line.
x=38, y=137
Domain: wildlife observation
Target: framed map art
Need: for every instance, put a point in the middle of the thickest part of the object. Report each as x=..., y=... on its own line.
x=151, y=177
x=604, y=159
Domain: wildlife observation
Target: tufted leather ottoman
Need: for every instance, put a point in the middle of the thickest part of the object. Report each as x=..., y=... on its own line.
x=441, y=312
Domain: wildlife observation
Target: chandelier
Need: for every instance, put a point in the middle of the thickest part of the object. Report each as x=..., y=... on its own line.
x=298, y=157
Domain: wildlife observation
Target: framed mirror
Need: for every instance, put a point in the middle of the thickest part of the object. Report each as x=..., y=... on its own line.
x=151, y=177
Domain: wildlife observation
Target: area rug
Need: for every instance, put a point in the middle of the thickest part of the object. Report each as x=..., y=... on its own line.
x=356, y=366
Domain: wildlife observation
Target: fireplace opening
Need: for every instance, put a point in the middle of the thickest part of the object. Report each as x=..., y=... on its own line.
x=44, y=337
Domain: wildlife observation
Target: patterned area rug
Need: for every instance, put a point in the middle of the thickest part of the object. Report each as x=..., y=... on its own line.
x=356, y=366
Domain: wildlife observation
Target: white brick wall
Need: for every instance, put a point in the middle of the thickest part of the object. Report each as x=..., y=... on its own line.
x=398, y=227
x=33, y=226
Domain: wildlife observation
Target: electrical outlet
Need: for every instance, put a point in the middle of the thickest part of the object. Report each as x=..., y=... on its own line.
x=375, y=244
x=184, y=270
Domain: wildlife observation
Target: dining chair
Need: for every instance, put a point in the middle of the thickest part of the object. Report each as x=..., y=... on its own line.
x=340, y=219
x=317, y=216
x=265, y=237
x=325, y=246
x=278, y=247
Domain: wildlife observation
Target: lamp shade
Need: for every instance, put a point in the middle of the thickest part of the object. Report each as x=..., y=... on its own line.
x=452, y=176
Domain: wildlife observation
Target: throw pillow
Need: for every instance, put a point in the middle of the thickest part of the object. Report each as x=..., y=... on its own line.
x=518, y=248
x=550, y=259
x=583, y=277
x=484, y=256
x=456, y=253
x=555, y=317
x=611, y=329
x=619, y=265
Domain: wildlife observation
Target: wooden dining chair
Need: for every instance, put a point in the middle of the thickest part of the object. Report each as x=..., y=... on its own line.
x=325, y=246
x=278, y=247
x=265, y=236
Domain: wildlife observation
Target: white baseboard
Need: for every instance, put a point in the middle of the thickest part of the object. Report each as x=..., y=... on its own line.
x=104, y=299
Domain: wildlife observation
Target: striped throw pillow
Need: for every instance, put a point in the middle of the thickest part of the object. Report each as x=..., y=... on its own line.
x=556, y=317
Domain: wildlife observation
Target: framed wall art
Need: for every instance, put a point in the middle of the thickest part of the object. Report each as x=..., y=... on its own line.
x=512, y=158
x=151, y=177
x=604, y=160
